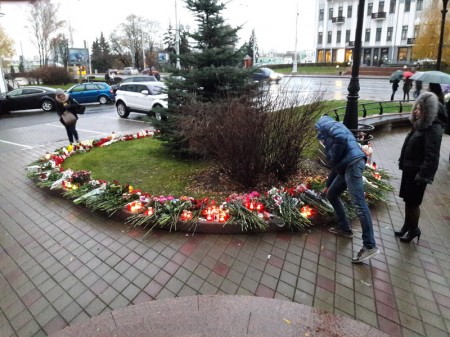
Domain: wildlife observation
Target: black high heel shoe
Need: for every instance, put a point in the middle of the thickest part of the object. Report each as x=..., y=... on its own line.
x=402, y=231
x=410, y=235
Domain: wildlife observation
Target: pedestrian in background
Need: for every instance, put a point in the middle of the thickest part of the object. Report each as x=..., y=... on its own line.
x=419, y=159
x=347, y=162
x=67, y=106
x=395, y=85
x=418, y=89
x=407, y=84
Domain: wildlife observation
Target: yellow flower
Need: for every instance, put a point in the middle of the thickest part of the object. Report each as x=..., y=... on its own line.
x=130, y=189
x=70, y=148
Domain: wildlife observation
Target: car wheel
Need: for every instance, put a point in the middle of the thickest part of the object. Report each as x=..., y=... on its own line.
x=47, y=105
x=122, y=110
x=103, y=99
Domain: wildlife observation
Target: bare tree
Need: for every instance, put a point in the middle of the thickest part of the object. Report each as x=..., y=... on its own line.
x=131, y=36
x=44, y=25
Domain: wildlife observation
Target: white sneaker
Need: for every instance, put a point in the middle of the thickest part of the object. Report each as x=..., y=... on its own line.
x=365, y=254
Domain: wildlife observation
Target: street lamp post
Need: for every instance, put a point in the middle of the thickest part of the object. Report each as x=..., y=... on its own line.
x=294, y=65
x=177, y=38
x=441, y=37
x=351, y=111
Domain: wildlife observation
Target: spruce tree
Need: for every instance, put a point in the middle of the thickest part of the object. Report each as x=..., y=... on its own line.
x=211, y=72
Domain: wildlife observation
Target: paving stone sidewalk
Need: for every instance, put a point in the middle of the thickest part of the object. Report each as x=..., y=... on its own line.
x=60, y=264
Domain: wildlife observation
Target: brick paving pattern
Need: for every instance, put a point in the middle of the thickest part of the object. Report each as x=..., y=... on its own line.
x=60, y=264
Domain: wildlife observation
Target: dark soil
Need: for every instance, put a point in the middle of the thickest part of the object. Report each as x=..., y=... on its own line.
x=214, y=183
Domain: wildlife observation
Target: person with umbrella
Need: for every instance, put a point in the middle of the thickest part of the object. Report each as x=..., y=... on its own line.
x=394, y=87
x=419, y=160
x=407, y=84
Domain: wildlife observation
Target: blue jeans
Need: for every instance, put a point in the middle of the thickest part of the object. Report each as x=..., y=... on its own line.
x=352, y=179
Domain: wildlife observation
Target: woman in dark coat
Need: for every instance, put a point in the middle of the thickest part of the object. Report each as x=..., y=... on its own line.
x=66, y=103
x=419, y=161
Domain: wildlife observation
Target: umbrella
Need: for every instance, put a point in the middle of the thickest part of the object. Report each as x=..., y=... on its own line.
x=432, y=76
x=396, y=75
x=407, y=74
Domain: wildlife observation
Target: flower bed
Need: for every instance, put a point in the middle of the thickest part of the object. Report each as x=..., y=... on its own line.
x=294, y=208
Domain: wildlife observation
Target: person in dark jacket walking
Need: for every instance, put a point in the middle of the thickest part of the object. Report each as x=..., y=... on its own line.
x=66, y=103
x=419, y=161
x=394, y=88
x=347, y=162
x=407, y=84
x=418, y=88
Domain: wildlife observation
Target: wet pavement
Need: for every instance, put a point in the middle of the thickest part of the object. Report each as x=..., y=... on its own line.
x=61, y=265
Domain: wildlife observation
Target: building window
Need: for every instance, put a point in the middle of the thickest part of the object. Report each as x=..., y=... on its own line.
x=404, y=32
x=329, y=35
x=370, y=8
x=419, y=5
x=320, y=38
x=416, y=30
x=321, y=15
x=381, y=6
x=347, y=36
x=367, y=39
x=390, y=31
x=330, y=13
x=340, y=11
x=338, y=36
x=402, y=53
x=378, y=35
x=407, y=5
x=392, y=6
x=349, y=11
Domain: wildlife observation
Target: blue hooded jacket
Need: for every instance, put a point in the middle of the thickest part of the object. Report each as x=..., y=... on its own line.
x=341, y=147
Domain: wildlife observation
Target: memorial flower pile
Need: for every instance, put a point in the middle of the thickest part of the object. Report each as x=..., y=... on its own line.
x=294, y=208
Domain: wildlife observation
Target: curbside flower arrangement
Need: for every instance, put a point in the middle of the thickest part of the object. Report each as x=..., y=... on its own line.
x=294, y=208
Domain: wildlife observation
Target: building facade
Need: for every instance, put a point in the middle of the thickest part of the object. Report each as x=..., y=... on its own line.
x=388, y=35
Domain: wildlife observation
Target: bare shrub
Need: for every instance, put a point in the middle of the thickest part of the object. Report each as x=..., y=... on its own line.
x=253, y=138
x=49, y=75
x=231, y=132
x=289, y=129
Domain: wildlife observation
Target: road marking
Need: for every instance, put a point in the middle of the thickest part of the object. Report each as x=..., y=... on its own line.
x=17, y=144
x=84, y=130
x=125, y=119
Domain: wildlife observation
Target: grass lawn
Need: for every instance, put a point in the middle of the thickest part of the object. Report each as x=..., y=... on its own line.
x=143, y=164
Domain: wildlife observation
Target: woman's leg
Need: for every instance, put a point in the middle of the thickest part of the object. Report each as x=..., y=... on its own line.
x=73, y=133
x=69, y=133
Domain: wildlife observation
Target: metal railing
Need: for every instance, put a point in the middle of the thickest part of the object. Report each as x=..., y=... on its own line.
x=373, y=108
x=364, y=133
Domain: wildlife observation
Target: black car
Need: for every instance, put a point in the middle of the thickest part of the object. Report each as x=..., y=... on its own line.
x=26, y=98
x=266, y=75
x=146, y=78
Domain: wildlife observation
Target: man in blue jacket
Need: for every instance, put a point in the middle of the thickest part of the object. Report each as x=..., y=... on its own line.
x=347, y=162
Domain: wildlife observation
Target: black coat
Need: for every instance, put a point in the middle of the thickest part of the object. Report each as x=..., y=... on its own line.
x=69, y=105
x=422, y=145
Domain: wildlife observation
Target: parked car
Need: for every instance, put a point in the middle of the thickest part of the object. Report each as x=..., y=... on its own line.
x=426, y=62
x=92, y=92
x=25, y=98
x=130, y=71
x=266, y=75
x=138, y=78
x=142, y=97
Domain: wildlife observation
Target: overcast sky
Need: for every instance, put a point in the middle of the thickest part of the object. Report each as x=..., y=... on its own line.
x=274, y=21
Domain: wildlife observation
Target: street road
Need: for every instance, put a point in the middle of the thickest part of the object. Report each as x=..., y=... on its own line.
x=32, y=129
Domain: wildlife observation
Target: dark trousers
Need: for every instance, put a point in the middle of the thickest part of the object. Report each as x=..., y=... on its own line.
x=71, y=133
